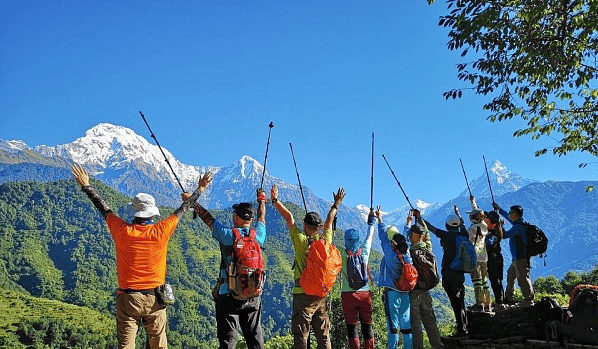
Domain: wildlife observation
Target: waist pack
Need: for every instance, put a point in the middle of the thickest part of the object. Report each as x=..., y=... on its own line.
x=323, y=265
x=357, y=270
x=466, y=258
x=246, y=274
x=537, y=242
x=408, y=278
x=425, y=263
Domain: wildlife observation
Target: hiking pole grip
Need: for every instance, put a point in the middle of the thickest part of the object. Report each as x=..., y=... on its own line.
x=270, y=126
x=163, y=154
x=399, y=183
x=464, y=175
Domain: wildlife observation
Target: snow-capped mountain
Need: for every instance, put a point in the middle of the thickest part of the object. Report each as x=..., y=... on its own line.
x=502, y=180
x=126, y=161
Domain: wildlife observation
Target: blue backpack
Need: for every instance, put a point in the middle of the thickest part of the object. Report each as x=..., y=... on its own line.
x=357, y=270
x=466, y=258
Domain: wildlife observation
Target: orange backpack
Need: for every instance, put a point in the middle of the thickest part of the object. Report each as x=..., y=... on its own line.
x=323, y=265
x=408, y=278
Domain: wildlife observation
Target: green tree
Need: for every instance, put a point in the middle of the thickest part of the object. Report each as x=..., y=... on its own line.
x=549, y=284
x=536, y=60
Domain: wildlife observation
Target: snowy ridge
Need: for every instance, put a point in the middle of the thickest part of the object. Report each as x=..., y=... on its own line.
x=13, y=146
x=502, y=180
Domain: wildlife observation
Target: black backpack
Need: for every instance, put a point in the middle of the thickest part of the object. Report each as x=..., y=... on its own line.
x=357, y=270
x=537, y=242
x=582, y=316
x=548, y=310
x=427, y=271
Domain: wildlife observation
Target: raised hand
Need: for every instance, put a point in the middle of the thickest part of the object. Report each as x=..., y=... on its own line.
x=205, y=180
x=80, y=175
x=339, y=196
x=274, y=192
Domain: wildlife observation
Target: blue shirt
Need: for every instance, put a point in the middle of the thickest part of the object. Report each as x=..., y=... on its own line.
x=226, y=238
x=391, y=266
x=517, y=236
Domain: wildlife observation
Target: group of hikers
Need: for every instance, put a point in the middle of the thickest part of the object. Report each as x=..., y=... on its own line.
x=407, y=269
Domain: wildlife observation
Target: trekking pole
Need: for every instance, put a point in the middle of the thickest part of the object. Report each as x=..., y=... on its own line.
x=399, y=183
x=372, y=177
x=266, y=158
x=488, y=177
x=165, y=158
x=466, y=181
x=298, y=179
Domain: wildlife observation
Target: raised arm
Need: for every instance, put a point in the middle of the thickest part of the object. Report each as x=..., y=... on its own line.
x=474, y=205
x=83, y=180
x=261, y=208
x=284, y=212
x=371, y=229
x=338, y=199
x=189, y=200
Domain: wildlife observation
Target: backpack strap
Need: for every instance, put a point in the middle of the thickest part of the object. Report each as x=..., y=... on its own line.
x=237, y=233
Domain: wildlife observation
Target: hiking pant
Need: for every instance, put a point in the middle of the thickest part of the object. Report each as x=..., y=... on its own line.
x=480, y=283
x=422, y=311
x=135, y=308
x=398, y=317
x=495, y=275
x=519, y=270
x=310, y=311
x=232, y=313
x=357, y=307
x=453, y=283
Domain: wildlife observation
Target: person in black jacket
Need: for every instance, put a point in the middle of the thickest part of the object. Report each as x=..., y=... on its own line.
x=453, y=281
x=495, y=258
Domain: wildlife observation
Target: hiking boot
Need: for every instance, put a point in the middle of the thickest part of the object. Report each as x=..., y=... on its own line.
x=460, y=335
x=500, y=306
x=509, y=302
x=477, y=307
x=526, y=303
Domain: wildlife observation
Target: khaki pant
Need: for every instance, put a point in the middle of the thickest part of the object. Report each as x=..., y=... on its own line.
x=422, y=311
x=310, y=310
x=135, y=308
x=519, y=270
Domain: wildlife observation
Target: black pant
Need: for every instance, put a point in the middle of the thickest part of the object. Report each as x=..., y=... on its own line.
x=232, y=313
x=495, y=275
x=454, y=285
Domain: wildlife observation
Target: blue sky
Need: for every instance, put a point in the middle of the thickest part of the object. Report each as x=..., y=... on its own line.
x=210, y=76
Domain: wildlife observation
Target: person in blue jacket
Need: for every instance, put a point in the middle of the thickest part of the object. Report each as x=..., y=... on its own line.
x=520, y=265
x=396, y=303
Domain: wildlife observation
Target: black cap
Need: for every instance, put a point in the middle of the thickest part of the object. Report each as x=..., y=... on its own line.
x=416, y=229
x=493, y=216
x=244, y=210
x=400, y=242
x=313, y=219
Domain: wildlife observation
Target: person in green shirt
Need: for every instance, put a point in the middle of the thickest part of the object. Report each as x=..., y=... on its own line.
x=308, y=310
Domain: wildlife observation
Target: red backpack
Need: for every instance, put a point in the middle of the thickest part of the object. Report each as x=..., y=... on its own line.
x=323, y=265
x=246, y=275
x=408, y=278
